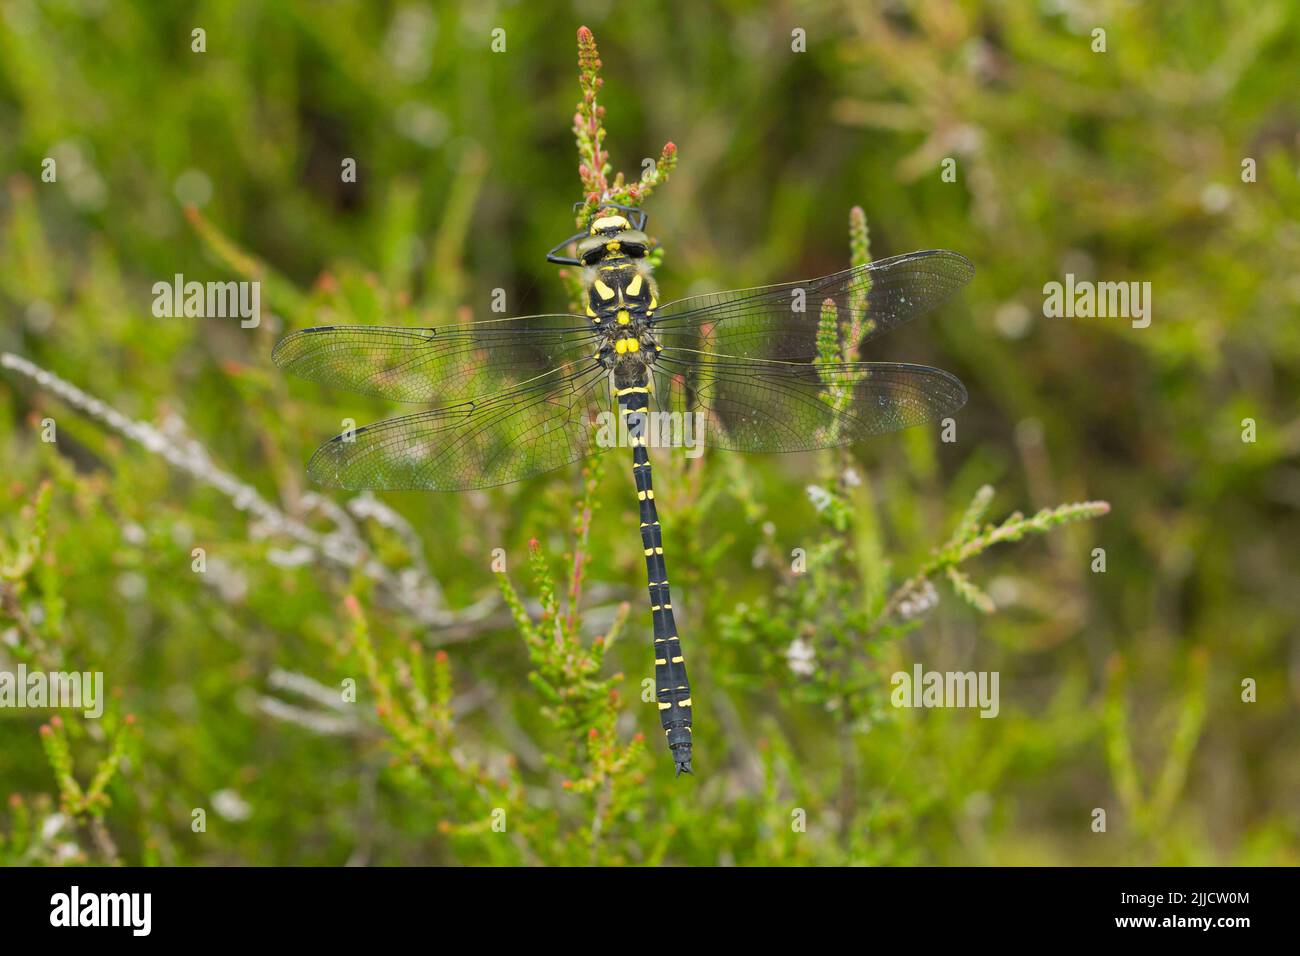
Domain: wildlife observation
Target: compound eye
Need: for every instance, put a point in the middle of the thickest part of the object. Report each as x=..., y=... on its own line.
x=591, y=249
x=634, y=243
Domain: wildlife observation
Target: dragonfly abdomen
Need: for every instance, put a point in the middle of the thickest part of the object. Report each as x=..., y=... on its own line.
x=672, y=688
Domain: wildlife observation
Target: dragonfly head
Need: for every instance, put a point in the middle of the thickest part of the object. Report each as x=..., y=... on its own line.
x=613, y=230
x=612, y=236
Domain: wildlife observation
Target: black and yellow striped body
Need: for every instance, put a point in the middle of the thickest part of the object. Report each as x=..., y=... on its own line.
x=621, y=300
x=672, y=689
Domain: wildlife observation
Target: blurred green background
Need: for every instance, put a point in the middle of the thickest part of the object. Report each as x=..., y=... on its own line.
x=1120, y=690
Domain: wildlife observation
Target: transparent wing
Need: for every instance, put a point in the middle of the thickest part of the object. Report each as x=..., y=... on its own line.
x=441, y=365
x=510, y=436
x=779, y=322
x=779, y=407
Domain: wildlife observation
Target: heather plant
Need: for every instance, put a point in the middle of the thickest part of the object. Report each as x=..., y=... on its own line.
x=327, y=678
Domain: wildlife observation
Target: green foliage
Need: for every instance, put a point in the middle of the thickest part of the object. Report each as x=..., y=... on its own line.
x=34, y=613
x=345, y=681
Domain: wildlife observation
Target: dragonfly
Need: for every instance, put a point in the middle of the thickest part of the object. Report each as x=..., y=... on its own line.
x=745, y=370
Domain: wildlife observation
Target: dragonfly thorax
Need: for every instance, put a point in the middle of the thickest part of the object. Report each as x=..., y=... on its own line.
x=628, y=348
x=621, y=297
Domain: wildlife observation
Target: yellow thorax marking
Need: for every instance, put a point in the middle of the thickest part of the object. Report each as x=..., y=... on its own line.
x=623, y=317
x=605, y=291
x=634, y=287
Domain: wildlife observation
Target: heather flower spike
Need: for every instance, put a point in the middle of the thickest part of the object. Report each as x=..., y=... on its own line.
x=594, y=168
